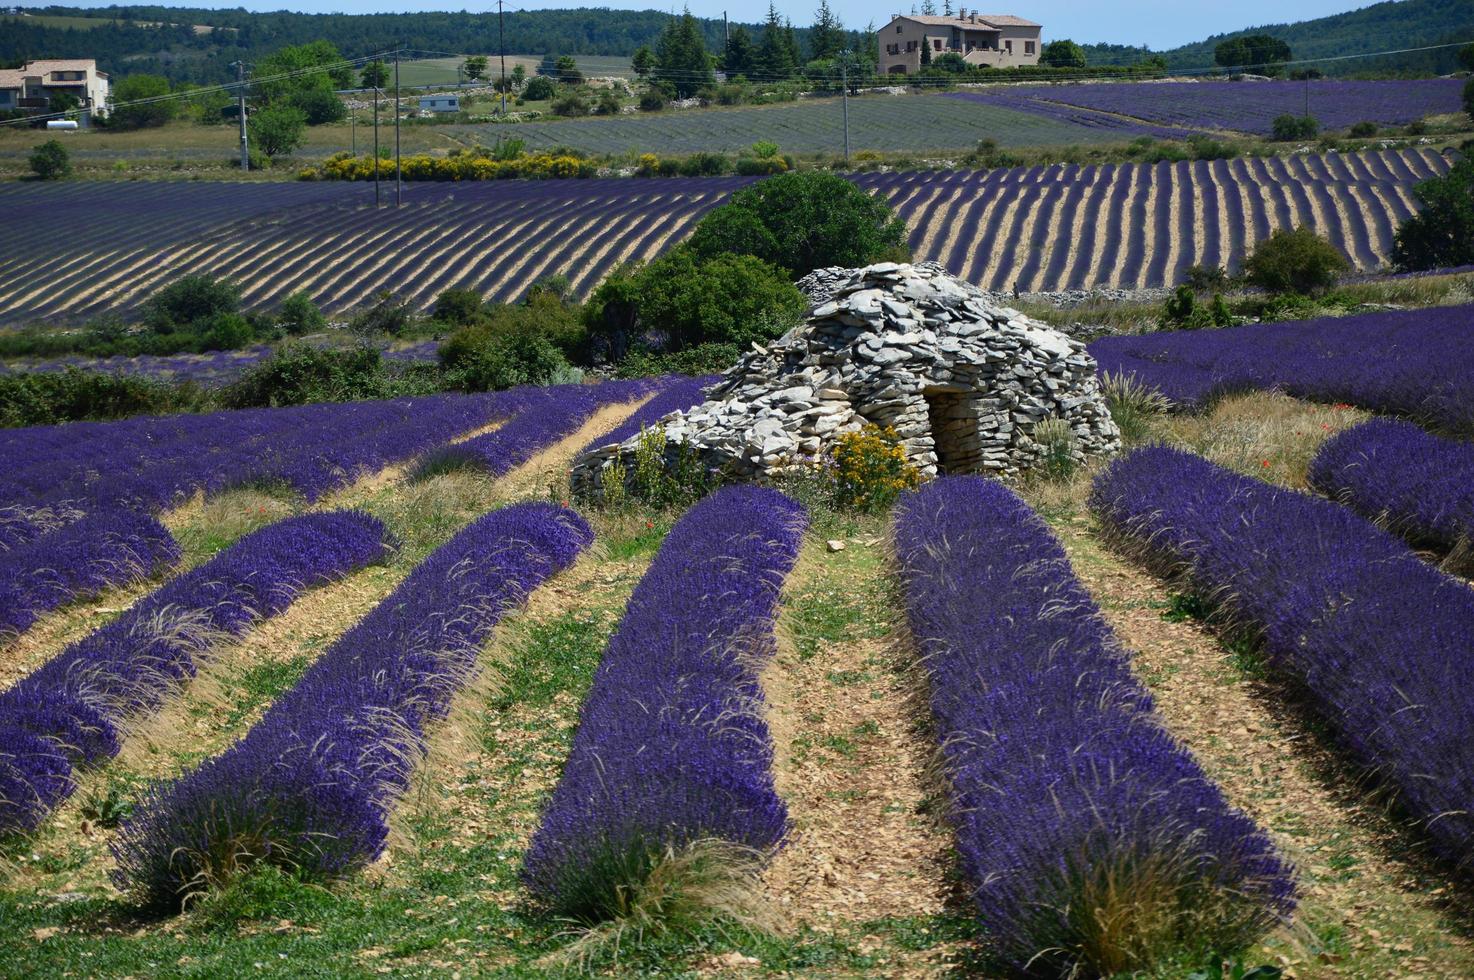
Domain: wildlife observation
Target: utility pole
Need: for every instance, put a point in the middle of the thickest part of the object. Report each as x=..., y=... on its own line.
x=398, y=173
x=501, y=43
x=240, y=77
x=726, y=31
x=353, y=130
x=844, y=85
x=375, y=155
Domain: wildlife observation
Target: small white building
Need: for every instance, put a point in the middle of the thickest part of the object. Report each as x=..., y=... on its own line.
x=32, y=86
x=440, y=103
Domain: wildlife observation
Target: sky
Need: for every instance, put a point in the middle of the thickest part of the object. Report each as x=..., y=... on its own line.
x=1156, y=23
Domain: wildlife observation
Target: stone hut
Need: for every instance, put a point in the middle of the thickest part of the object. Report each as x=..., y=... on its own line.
x=962, y=381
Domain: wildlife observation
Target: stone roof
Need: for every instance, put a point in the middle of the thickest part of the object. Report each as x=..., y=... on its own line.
x=984, y=21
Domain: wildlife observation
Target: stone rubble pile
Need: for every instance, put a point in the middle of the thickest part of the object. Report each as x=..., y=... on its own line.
x=962, y=381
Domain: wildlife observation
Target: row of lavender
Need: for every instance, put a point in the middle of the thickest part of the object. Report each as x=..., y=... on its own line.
x=1418, y=363
x=1174, y=109
x=672, y=748
x=1072, y=805
x=310, y=786
x=1207, y=213
x=1378, y=641
x=76, y=708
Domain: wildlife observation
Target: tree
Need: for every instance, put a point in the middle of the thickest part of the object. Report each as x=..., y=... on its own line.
x=643, y=61
x=548, y=66
x=133, y=88
x=540, y=88
x=475, y=67
x=1466, y=57
x=740, y=57
x=925, y=50
x=567, y=71
x=681, y=61
x=188, y=302
x=298, y=314
x=518, y=76
x=1261, y=51
x=1062, y=54
x=375, y=74
x=775, y=59
x=952, y=62
x=1287, y=128
x=51, y=161
x=827, y=36
x=319, y=105
x=302, y=68
x=277, y=130
x=1441, y=234
x=1298, y=261
x=802, y=221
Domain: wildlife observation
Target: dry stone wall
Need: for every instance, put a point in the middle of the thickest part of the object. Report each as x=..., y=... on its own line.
x=963, y=382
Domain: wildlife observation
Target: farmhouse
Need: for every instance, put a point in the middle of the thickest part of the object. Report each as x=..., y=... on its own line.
x=32, y=86
x=995, y=40
x=440, y=103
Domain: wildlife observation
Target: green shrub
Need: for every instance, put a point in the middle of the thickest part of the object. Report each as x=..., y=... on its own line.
x=1183, y=312
x=298, y=314
x=1298, y=261
x=701, y=359
x=1058, y=449
x=572, y=104
x=277, y=130
x=760, y=166
x=72, y=395
x=869, y=470
x=653, y=100
x=801, y=221
x=1287, y=128
x=51, y=161
x=704, y=165
x=539, y=88
x=1362, y=130
x=298, y=374
x=686, y=300
x=1441, y=234
x=187, y=304
x=457, y=306
x=483, y=360
x=389, y=315
x=1207, y=278
x=1133, y=405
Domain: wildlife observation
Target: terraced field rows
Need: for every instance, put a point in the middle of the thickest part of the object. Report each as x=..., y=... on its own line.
x=1040, y=228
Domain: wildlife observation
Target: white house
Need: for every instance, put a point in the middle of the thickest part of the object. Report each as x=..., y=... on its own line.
x=995, y=40
x=32, y=86
x=440, y=103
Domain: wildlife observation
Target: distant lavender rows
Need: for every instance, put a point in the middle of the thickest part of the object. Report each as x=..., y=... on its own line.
x=1174, y=109
x=207, y=370
x=1065, y=226
x=1416, y=363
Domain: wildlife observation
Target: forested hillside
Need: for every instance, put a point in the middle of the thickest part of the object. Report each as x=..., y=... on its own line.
x=161, y=40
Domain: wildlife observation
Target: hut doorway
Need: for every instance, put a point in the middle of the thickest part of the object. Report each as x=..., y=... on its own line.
x=954, y=431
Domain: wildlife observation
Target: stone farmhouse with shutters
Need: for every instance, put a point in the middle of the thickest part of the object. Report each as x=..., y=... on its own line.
x=996, y=40
x=32, y=86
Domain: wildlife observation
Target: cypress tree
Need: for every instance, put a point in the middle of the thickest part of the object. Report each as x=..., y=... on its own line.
x=681, y=61
x=740, y=56
x=827, y=36
x=775, y=59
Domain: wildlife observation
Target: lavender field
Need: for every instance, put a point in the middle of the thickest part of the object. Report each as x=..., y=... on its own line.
x=1175, y=109
x=1128, y=225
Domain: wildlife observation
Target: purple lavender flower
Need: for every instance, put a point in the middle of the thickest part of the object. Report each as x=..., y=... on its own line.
x=672, y=747
x=310, y=785
x=1379, y=642
x=1062, y=778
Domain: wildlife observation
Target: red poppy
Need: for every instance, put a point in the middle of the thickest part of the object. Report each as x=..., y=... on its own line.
x=1264, y=463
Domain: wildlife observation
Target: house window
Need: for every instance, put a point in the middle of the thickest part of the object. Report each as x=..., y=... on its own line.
x=898, y=28
x=1028, y=47
x=937, y=44
x=1008, y=46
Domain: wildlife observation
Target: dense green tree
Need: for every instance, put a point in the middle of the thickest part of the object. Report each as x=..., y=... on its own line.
x=1262, y=52
x=681, y=61
x=951, y=62
x=375, y=74
x=1441, y=234
x=1298, y=261
x=51, y=161
x=475, y=67
x=548, y=66
x=319, y=105
x=277, y=130
x=567, y=71
x=539, y=89
x=190, y=301
x=1466, y=57
x=518, y=76
x=1063, y=53
x=827, y=37
x=739, y=57
x=304, y=67
x=298, y=314
x=643, y=61
x=132, y=88
x=802, y=221
x=775, y=58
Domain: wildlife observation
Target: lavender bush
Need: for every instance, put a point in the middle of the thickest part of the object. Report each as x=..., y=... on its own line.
x=1090, y=838
x=672, y=748
x=1421, y=485
x=75, y=709
x=310, y=785
x=1417, y=363
x=1380, y=643
x=99, y=552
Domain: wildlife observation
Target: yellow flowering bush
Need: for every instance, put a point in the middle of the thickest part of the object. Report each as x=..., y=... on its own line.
x=464, y=166
x=869, y=469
